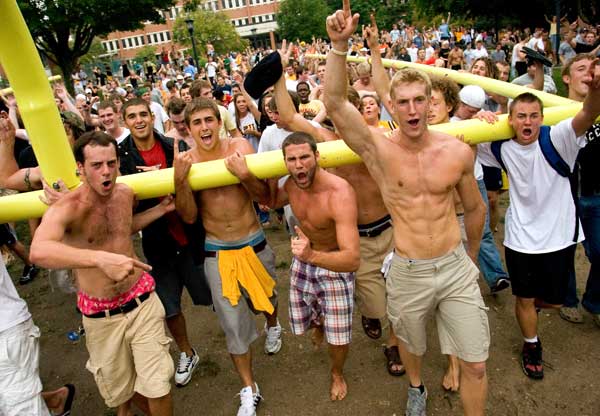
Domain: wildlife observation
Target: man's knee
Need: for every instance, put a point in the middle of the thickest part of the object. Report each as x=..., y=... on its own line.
x=525, y=302
x=473, y=370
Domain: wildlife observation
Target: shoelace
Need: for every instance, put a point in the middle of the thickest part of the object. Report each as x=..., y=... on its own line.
x=184, y=362
x=273, y=333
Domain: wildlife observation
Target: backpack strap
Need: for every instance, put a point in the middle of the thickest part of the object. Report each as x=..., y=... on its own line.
x=561, y=167
x=552, y=156
x=496, y=148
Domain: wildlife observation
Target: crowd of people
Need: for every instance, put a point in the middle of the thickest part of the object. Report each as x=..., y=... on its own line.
x=403, y=235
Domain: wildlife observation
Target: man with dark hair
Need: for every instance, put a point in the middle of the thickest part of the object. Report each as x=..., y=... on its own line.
x=171, y=247
x=179, y=130
x=203, y=88
x=542, y=228
x=325, y=248
x=239, y=263
x=89, y=230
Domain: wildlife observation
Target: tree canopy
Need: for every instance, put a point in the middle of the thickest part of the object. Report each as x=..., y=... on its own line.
x=209, y=27
x=302, y=19
x=63, y=30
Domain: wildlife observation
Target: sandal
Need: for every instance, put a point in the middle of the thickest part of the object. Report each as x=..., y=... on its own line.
x=372, y=327
x=393, y=359
x=69, y=400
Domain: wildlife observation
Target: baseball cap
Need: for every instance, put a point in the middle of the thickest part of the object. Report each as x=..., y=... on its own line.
x=73, y=120
x=473, y=96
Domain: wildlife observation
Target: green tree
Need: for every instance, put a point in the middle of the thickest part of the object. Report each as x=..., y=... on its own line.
x=209, y=27
x=94, y=54
x=147, y=52
x=302, y=19
x=63, y=30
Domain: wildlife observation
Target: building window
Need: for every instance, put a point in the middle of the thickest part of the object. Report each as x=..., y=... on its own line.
x=141, y=40
x=168, y=34
x=155, y=38
x=149, y=39
x=124, y=43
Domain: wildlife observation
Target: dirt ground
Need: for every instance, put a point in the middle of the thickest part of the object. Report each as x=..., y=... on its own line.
x=296, y=380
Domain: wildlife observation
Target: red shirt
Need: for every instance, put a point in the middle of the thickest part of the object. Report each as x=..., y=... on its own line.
x=156, y=157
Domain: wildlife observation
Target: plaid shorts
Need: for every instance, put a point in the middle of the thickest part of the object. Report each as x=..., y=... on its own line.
x=319, y=295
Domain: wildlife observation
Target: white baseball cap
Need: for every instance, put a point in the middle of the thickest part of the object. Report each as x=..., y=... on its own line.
x=473, y=96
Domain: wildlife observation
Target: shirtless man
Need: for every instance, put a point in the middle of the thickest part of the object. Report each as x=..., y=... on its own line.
x=426, y=233
x=326, y=249
x=456, y=58
x=89, y=230
x=232, y=234
x=373, y=220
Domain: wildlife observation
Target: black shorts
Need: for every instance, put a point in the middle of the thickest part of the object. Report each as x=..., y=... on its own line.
x=492, y=178
x=542, y=276
x=7, y=235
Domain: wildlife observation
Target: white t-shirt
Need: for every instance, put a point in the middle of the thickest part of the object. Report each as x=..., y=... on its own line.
x=13, y=309
x=477, y=169
x=541, y=214
x=160, y=116
x=122, y=136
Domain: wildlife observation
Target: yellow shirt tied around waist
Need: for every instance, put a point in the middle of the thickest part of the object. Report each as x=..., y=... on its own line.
x=244, y=267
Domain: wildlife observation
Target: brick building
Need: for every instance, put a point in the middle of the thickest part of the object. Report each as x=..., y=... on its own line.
x=253, y=20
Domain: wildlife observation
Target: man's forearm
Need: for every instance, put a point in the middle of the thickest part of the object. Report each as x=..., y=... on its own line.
x=344, y=261
x=8, y=164
x=56, y=255
x=142, y=219
x=474, y=222
x=184, y=202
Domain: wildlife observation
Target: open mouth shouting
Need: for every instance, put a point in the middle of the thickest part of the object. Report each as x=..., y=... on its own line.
x=413, y=122
x=106, y=185
x=206, y=138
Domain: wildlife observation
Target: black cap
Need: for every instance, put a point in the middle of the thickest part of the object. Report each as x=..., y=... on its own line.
x=264, y=74
x=533, y=56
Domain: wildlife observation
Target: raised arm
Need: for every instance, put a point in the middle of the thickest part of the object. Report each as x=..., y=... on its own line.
x=11, y=177
x=584, y=119
x=185, y=204
x=343, y=207
x=237, y=77
x=472, y=202
x=380, y=76
x=347, y=119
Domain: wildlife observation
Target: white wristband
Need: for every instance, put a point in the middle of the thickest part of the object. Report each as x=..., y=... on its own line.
x=340, y=53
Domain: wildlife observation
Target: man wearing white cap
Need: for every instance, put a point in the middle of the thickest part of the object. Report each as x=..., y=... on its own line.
x=472, y=99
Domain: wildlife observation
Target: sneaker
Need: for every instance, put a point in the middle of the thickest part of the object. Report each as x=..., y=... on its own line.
x=29, y=273
x=531, y=362
x=186, y=368
x=249, y=401
x=500, y=285
x=273, y=339
x=416, y=405
x=571, y=314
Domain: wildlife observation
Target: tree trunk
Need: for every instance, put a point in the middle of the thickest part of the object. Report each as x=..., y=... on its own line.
x=67, y=66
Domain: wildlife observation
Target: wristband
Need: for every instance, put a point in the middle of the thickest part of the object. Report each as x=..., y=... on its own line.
x=340, y=53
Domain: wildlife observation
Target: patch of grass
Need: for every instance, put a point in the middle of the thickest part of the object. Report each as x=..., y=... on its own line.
x=282, y=265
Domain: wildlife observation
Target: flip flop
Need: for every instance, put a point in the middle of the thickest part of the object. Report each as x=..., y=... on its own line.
x=69, y=400
x=393, y=358
x=372, y=327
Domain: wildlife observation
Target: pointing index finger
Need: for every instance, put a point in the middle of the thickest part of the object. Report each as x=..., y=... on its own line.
x=346, y=7
x=176, y=146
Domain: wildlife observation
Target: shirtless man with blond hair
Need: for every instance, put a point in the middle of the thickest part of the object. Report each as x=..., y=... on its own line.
x=89, y=230
x=325, y=248
x=417, y=171
x=233, y=235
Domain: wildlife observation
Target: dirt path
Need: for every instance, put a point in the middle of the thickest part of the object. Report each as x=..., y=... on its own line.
x=295, y=381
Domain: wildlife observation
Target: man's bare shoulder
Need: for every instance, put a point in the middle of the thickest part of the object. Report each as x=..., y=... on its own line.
x=241, y=145
x=338, y=185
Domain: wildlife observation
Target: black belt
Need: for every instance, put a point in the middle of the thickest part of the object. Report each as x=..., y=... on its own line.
x=124, y=308
x=257, y=249
x=374, y=231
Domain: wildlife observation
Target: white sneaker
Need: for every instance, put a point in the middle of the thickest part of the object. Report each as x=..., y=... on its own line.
x=186, y=368
x=273, y=339
x=249, y=401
